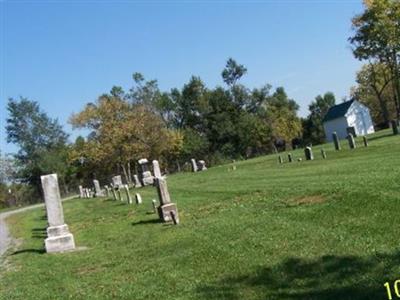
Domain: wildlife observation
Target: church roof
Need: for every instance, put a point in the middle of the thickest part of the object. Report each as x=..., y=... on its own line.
x=338, y=111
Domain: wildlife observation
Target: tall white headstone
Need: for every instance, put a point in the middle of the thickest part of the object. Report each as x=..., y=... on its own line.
x=81, y=192
x=128, y=195
x=194, y=165
x=138, y=199
x=59, y=238
x=97, y=189
x=137, y=181
x=166, y=206
x=156, y=169
x=117, y=181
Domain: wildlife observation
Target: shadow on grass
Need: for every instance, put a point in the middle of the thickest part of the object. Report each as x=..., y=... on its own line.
x=43, y=218
x=324, y=278
x=109, y=200
x=152, y=221
x=37, y=251
x=39, y=233
x=374, y=138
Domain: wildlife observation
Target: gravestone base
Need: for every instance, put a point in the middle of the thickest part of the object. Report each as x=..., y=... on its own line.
x=59, y=239
x=99, y=194
x=147, y=178
x=164, y=212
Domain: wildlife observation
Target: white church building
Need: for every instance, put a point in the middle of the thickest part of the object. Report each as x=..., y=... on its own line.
x=350, y=116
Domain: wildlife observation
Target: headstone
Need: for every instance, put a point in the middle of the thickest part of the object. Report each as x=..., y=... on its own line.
x=98, y=191
x=154, y=205
x=166, y=206
x=146, y=177
x=87, y=191
x=290, y=158
x=352, y=143
x=202, y=165
x=351, y=130
x=119, y=194
x=117, y=181
x=81, y=192
x=365, y=140
x=156, y=169
x=107, y=191
x=114, y=193
x=336, y=141
x=138, y=198
x=395, y=127
x=59, y=238
x=128, y=196
x=137, y=181
x=308, y=153
x=194, y=165
x=323, y=153
x=280, y=160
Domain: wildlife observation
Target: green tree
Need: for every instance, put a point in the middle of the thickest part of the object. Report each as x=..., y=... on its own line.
x=313, y=130
x=377, y=37
x=233, y=72
x=39, y=138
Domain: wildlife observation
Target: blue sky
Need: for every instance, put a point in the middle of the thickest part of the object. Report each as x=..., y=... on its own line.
x=64, y=54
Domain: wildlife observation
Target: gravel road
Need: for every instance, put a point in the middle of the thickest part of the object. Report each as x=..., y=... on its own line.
x=5, y=237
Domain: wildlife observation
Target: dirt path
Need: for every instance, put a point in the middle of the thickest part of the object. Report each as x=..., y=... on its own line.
x=5, y=237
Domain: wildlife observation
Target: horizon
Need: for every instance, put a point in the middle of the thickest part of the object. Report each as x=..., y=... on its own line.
x=70, y=53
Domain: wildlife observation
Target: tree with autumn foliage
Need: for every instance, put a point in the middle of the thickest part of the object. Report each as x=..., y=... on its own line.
x=122, y=132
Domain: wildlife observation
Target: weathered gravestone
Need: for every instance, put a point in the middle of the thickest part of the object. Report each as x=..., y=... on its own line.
x=202, y=165
x=154, y=205
x=166, y=206
x=395, y=127
x=365, y=140
x=352, y=143
x=290, y=158
x=117, y=181
x=156, y=169
x=336, y=141
x=107, y=191
x=323, y=153
x=113, y=191
x=128, y=196
x=194, y=165
x=119, y=194
x=97, y=189
x=280, y=160
x=137, y=181
x=138, y=199
x=81, y=192
x=308, y=153
x=59, y=238
x=145, y=174
x=352, y=130
x=87, y=192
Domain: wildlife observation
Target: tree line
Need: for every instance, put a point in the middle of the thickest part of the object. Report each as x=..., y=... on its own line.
x=230, y=121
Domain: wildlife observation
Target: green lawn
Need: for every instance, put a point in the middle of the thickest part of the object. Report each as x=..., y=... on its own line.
x=322, y=229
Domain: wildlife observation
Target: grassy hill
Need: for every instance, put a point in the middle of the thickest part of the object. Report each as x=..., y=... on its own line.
x=322, y=229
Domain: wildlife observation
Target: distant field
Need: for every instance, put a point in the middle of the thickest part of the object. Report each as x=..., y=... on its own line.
x=322, y=229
